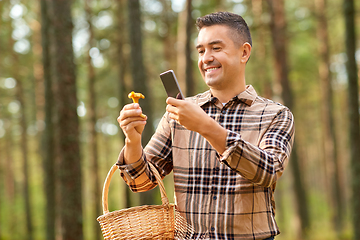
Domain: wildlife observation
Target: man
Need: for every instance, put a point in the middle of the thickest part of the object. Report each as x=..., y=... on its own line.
x=227, y=147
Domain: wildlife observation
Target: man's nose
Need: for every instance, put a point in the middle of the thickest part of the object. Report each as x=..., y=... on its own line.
x=207, y=57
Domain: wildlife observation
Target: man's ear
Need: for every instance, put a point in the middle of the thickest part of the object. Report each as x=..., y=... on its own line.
x=246, y=52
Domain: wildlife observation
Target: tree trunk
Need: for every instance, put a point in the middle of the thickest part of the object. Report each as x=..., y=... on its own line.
x=24, y=150
x=10, y=191
x=138, y=71
x=69, y=167
x=260, y=56
x=123, y=89
x=180, y=50
x=329, y=135
x=140, y=81
x=184, y=62
x=93, y=146
x=167, y=39
x=121, y=23
x=278, y=33
x=2, y=182
x=353, y=98
x=190, y=83
x=25, y=164
x=220, y=6
x=48, y=135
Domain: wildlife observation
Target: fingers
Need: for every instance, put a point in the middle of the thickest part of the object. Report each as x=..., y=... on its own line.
x=131, y=117
x=129, y=127
x=174, y=101
x=131, y=122
x=132, y=110
x=171, y=109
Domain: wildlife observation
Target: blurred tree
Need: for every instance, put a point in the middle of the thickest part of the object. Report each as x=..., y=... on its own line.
x=329, y=135
x=93, y=145
x=140, y=81
x=20, y=96
x=68, y=122
x=10, y=191
x=279, y=40
x=219, y=5
x=353, y=99
x=180, y=49
x=138, y=71
x=190, y=83
x=25, y=158
x=122, y=66
x=260, y=51
x=167, y=19
x=48, y=134
x=122, y=63
x=185, y=46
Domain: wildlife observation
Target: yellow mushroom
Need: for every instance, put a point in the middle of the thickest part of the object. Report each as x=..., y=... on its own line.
x=135, y=97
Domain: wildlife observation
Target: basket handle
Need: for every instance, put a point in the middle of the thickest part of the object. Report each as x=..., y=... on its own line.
x=113, y=169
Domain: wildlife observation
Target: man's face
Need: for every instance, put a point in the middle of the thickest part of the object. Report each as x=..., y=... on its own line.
x=219, y=57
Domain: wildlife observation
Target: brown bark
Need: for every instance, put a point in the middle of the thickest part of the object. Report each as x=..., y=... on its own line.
x=180, y=50
x=48, y=134
x=123, y=64
x=190, y=83
x=329, y=135
x=24, y=149
x=9, y=177
x=279, y=40
x=167, y=39
x=220, y=5
x=93, y=146
x=138, y=71
x=353, y=100
x=68, y=122
x=260, y=56
x=140, y=81
x=25, y=159
x=184, y=69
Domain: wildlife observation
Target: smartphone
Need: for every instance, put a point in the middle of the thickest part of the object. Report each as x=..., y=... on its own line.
x=171, y=84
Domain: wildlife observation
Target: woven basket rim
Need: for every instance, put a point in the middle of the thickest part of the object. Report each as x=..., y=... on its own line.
x=134, y=209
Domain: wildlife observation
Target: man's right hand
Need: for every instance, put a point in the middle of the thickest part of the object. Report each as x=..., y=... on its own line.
x=131, y=123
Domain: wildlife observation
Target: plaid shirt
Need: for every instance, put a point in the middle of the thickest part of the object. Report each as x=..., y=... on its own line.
x=228, y=196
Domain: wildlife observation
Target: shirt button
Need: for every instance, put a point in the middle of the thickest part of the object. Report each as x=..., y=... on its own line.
x=217, y=169
x=214, y=197
x=212, y=229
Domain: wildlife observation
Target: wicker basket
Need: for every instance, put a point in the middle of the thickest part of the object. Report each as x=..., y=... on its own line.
x=143, y=222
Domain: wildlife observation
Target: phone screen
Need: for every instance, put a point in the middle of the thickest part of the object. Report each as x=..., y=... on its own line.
x=171, y=84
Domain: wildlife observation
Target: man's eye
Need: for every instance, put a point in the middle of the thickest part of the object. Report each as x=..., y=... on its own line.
x=216, y=48
x=201, y=51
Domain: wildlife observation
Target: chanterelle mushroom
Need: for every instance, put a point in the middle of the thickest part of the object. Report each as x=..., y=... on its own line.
x=135, y=97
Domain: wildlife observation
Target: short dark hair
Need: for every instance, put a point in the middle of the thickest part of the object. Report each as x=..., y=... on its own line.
x=231, y=20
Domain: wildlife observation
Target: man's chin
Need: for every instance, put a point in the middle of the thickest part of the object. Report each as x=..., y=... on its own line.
x=211, y=81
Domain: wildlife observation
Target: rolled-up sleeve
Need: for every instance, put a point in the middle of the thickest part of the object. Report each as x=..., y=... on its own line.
x=133, y=170
x=265, y=163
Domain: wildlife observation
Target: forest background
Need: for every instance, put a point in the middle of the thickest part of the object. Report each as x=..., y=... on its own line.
x=66, y=68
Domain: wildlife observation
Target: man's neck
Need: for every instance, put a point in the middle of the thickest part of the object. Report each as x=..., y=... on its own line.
x=226, y=95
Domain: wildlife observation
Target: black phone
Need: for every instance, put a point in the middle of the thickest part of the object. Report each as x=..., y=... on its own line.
x=171, y=84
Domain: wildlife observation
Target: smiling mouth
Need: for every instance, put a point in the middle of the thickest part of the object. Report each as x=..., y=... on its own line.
x=211, y=69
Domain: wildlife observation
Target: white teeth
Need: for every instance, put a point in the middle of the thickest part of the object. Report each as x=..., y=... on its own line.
x=210, y=69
